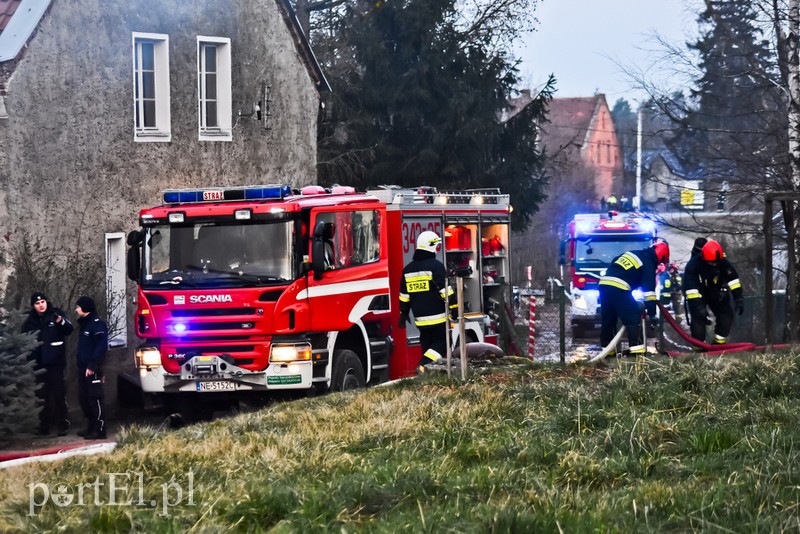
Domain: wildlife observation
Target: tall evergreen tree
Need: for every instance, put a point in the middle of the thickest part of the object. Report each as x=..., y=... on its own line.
x=737, y=127
x=18, y=403
x=419, y=98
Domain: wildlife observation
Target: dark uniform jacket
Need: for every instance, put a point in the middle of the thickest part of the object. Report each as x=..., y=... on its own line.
x=423, y=290
x=635, y=269
x=53, y=350
x=92, y=342
x=710, y=282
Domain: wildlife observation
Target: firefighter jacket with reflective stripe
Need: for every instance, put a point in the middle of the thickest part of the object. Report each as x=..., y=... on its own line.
x=635, y=269
x=665, y=284
x=710, y=282
x=423, y=290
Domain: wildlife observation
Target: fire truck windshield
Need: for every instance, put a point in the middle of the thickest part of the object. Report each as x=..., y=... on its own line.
x=223, y=255
x=598, y=252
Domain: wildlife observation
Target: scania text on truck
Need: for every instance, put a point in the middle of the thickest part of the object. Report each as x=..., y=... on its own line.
x=592, y=241
x=263, y=288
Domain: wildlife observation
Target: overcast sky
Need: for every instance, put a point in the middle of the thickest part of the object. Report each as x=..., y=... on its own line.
x=583, y=42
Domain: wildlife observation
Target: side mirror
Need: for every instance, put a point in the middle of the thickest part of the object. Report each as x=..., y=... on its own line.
x=562, y=252
x=135, y=237
x=318, y=257
x=134, y=263
x=323, y=231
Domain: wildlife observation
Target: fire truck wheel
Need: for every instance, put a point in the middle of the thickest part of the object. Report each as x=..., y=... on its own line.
x=348, y=373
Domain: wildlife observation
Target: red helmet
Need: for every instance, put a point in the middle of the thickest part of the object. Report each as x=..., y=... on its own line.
x=662, y=251
x=712, y=251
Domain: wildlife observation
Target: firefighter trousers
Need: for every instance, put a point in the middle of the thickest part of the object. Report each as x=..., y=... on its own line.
x=723, y=314
x=619, y=305
x=432, y=339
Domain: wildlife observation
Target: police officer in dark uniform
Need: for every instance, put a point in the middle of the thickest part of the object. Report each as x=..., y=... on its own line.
x=424, y=291
x=53, y=327
x=708, y=283
x=92, y=348
x=628, y=271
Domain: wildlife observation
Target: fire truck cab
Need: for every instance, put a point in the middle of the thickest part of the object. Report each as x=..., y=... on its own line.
x=593, y=241
x=251, y=289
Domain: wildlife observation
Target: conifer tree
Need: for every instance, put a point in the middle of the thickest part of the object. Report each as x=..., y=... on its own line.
x=18, y=403
x=419, y=97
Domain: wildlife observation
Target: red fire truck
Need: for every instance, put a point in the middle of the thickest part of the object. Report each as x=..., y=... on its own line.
x=253, y=289
x=593, y=241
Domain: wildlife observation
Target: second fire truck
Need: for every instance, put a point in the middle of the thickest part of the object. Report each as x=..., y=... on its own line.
x=593, y=241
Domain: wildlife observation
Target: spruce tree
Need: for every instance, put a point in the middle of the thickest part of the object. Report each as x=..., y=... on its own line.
x=19, y=408
x=737, y=126
x=419, y=98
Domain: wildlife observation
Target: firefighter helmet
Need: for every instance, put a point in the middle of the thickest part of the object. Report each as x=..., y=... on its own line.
x=662, y=251
x=429, y=241
x=712, y=251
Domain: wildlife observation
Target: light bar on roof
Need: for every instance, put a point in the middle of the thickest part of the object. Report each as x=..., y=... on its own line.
x=230, y=194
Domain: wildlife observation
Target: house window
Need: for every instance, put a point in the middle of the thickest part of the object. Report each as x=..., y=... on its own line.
x=214, y=88
x=115, y=290
x=151, y=87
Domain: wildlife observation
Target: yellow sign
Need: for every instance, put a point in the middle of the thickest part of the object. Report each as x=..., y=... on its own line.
x=417, y=287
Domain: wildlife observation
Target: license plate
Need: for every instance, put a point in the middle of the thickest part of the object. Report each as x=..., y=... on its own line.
x=216, y=385
x=284, y=380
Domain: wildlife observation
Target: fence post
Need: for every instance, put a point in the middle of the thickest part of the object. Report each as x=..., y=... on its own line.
x=561, y=324
x=532, y=331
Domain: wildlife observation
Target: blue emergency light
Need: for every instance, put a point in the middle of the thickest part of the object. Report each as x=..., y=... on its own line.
x=254, y=192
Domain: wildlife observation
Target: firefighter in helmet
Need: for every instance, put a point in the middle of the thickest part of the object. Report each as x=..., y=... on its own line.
x=664, y=285
x=709, y=281
x=423, y=290
x=629, y=271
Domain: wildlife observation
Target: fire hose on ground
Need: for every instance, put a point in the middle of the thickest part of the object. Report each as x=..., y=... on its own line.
x=706, y=349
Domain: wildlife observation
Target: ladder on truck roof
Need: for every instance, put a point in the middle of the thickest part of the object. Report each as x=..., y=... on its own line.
x=430, y=195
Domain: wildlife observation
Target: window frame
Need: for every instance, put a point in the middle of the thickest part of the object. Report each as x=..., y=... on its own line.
x=162, y=131
x=223, y=131
x=348, y=253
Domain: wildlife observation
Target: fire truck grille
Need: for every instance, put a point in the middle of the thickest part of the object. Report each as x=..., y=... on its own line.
x=215, y=349
x=214, y=312
x=238, y=325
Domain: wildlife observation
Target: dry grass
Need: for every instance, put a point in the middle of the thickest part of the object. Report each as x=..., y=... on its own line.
x=659, y=445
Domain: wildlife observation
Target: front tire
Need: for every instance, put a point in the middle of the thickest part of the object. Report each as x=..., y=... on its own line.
x=348, y=373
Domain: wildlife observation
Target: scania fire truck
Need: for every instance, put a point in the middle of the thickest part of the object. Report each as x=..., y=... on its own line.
x=594, y=240
x=254, y=289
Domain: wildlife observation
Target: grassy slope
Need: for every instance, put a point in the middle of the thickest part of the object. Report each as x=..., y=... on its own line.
x=662, y=445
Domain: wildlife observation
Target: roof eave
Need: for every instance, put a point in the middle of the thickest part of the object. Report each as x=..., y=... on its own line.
x=313, y=66
x=21, y=27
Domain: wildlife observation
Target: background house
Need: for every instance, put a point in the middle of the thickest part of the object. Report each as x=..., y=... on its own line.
x=584, y=166
x=582, y=130
x=105, y=103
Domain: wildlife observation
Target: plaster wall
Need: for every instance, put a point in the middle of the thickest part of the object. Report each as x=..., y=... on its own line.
x=70, y=170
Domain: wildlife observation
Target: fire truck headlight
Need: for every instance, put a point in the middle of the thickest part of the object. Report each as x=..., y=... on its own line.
x=147, y=357
x=176, y=217
x=580, y=303
x=242, y=215
x=290, y=353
